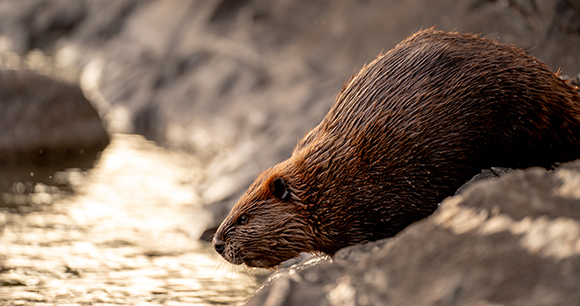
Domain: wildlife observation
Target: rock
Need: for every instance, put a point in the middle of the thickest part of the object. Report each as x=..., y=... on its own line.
x=44, y=121
x=509, y=241
x=492, y=173
x=46, y=126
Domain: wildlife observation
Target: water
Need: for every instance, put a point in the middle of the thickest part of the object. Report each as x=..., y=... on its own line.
x=122, y=238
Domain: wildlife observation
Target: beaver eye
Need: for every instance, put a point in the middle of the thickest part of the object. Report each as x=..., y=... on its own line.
x=243, y=219
x=280, y=189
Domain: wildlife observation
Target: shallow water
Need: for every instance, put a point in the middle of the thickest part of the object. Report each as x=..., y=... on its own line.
x=122, y=238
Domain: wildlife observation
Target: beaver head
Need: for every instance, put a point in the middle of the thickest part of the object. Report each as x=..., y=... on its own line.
x=268, y=225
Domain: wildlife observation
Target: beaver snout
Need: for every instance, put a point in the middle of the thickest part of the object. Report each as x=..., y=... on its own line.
x=228, y=250
x=219, y=245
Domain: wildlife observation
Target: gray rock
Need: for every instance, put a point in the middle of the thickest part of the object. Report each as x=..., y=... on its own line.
x=509, y=241
x=492, y=173
x=44, y=121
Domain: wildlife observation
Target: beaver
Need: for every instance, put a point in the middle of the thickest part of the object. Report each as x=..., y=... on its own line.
x=404, y=133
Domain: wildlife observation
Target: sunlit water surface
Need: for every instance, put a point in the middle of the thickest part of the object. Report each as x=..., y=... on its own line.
x=124, y=238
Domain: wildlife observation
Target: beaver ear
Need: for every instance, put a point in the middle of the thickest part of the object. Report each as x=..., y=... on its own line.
x=279, y=188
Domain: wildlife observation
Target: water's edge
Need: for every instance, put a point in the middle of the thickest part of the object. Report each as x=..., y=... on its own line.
x=123, y=237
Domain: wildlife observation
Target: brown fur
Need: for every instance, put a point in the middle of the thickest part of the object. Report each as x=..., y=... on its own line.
x=403, y=134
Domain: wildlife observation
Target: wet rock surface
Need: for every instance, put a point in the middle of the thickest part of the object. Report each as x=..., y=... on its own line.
x=510, y=241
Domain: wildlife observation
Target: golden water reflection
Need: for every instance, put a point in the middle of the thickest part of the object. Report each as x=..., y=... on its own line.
x=122, y=239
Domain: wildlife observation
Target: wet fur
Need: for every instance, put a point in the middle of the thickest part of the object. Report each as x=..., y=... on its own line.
x=403, y=134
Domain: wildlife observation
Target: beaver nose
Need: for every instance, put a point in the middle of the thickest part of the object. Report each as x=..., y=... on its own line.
x=219, y=245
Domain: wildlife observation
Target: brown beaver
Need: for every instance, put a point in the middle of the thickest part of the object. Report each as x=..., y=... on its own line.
x=403, y=134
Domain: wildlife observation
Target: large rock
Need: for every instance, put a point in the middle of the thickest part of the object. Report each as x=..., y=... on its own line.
x=510, y=241
x=46, y=126
x=45, y=121
x=238, y=82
